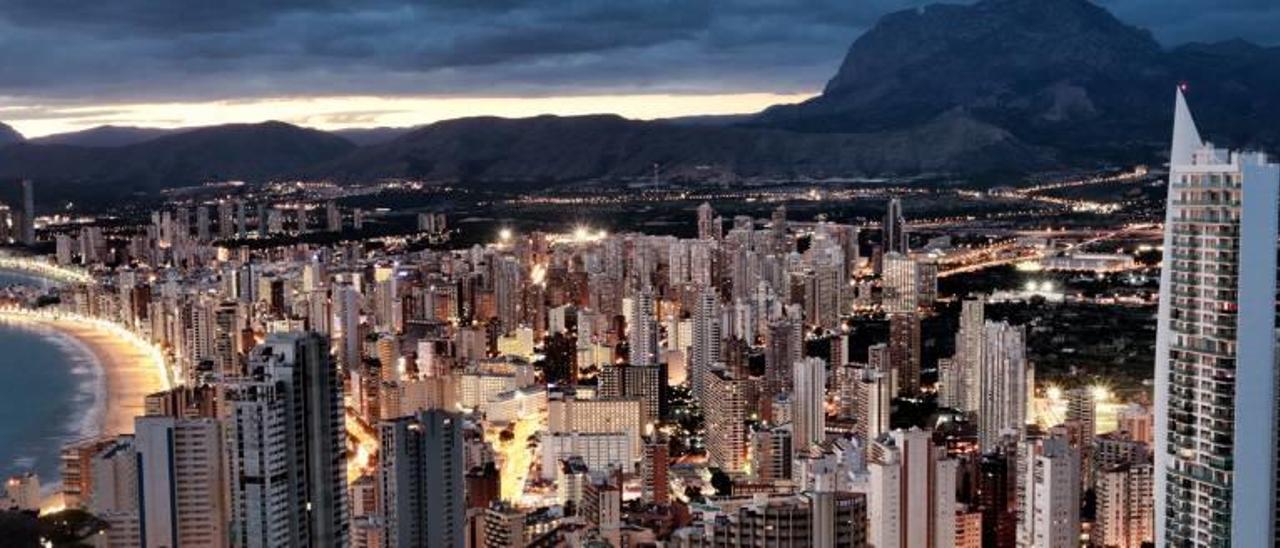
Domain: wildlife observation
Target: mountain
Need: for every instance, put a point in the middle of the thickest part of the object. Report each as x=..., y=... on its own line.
x=551, y=148
x=371, y=135
x=229, y=152
x=1065, y=74
x=9, y=135
x=992, y=86
x=105, y=136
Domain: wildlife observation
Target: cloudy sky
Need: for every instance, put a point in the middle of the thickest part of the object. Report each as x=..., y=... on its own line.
x=69, y=64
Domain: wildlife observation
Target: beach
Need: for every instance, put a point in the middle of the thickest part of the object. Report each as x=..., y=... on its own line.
x=127, y=371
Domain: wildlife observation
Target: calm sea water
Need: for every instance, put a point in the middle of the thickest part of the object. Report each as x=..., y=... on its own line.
x=48, y=394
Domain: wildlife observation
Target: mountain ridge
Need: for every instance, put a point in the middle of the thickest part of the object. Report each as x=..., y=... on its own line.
x=995, y=86
x=9, y=136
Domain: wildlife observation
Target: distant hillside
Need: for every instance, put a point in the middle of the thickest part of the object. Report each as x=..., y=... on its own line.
x=371, y=136
x=9, y=135
x=550, y=148
x=1059, y=73
x=230, y=152
x=105, y=136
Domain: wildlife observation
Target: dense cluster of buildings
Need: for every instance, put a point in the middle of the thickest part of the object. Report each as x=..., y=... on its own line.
x=630, y=389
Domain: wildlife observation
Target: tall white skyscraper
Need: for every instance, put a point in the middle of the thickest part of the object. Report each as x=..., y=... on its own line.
x=968, y=358
x=704, y=352
x=642, y=325
x=708, y=228
x=346, y=307
x=286, y=446
x=895, y=228
x=901, y=283
x=809, y=415
x=507, y=293
x=1216, y=346
x=1004, y=381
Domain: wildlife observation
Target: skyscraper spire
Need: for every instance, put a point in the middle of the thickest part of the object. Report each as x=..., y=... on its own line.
x=1186, y=138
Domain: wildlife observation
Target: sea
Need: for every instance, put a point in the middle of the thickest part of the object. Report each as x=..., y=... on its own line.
x=51, y=393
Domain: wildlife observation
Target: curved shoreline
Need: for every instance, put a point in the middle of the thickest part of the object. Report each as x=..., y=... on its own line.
x=125, y=373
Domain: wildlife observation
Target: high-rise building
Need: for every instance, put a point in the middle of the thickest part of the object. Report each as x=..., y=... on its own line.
x=968, y=530
x=900, y=283
x=1082, y=420
x=242, y=220
x=1216, y=346
x=872, y=397
x=202, y=223
x=912, y=500
x=287, y=446
x=642, y=327
x=996, y=498
x=728, y=405
x=1004, y=381
x=76, y=469
x=566, y=414
x=809, y=403
x=421, y=470
x=704, y=351
x=905, y=351
x=708, y=223
x=182, y=493
x=115, y=492
x=27, y=228
x=894, y=229
x=225, y=228
x=656, y=488
x=783, y=347
x=507, y=284
x=970, y=347
x=648, y=383
x=333, y=217
x=1049, y=495
x=1126, y=516
x=346, y=307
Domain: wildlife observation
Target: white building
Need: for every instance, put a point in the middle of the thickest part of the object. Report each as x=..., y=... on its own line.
x=1050, y=493
x=1004, y=383
x=1216, y=346
x=809, y=404
x=181, y=486
x=600, y=451
x=911, y=500
x=565, y=414
x=286, y=446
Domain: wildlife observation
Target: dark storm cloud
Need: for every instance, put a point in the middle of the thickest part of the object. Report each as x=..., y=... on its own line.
x=198, y=49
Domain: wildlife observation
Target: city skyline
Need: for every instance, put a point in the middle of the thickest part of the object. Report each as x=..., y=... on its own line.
x=992, y=286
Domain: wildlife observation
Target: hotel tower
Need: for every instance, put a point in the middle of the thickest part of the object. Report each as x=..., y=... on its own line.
x=1215, y=372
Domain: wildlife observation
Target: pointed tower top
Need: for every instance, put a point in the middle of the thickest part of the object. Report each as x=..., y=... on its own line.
x=1186, y=138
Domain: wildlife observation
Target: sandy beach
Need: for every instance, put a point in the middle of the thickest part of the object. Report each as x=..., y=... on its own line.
x=129, y=373
x=128, y=370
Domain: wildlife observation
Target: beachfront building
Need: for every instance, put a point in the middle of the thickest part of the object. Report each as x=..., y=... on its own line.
x=182, y=498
